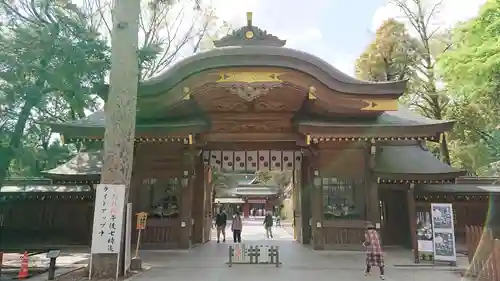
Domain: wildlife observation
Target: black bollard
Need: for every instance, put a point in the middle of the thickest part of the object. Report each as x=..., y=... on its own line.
x=53, y=255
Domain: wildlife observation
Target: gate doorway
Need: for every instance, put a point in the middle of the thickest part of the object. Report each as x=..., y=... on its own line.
x=394, y=217
x=262, y=180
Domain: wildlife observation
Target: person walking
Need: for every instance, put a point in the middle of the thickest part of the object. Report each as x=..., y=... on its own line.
x=374, y=254
x=220, y=223
x=268, y=224
x=237, y=227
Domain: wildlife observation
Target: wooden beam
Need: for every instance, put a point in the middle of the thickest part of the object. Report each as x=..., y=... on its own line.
x=250, y=137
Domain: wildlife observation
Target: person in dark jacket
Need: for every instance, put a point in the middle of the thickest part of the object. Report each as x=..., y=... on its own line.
x=268, y=224
x=220, y=223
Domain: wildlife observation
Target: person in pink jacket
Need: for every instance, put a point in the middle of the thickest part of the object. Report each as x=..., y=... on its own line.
x=237, y=227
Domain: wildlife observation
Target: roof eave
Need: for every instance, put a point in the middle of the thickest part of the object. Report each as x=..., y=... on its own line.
x=448, y=176
x=81, y=131
x=339, y=130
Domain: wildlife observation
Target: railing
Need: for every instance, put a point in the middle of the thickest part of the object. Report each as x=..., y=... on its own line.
x=483, y=254
x=254, y=254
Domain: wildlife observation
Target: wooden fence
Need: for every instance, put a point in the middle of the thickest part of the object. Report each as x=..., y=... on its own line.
x=483, y=253
x=44, y=219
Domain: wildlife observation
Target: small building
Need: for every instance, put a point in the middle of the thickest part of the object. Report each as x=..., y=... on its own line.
x=252, y=104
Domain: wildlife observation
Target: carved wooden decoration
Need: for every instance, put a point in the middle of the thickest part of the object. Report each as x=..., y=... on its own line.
x=262, y=160
x=249, y=93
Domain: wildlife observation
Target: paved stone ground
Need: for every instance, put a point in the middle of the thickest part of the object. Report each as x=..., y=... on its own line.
x=207, y=263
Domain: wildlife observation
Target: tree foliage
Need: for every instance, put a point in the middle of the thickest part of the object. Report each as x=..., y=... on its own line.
x=168, y=30
x=471, y=71
x=397, y=54
x=390, y=56
x=50, y=59
x=54, y=55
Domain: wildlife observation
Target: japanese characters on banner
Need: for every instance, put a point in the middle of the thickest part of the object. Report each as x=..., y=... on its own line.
x=443, y=232
x=108, y=219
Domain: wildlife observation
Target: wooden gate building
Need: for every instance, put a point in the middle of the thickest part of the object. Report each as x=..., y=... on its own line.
x=251, y=104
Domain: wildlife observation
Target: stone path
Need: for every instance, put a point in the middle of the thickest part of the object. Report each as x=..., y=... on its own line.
x=207, y=263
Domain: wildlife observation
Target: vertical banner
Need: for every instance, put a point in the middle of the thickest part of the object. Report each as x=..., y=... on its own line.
x=108, y=219
x=443, y=232
x=128, y=239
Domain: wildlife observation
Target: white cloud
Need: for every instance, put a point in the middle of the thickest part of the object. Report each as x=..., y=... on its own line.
x=297, y=37
x=234, y=12
x=449, y=13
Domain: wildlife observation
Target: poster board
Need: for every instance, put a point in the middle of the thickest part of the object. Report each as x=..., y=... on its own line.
x=443, y=232
x=424, y=234
x=108, y=219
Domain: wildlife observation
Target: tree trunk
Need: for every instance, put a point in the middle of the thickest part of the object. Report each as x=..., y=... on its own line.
x=120, y=112
x=7, y=153
x=443, y=150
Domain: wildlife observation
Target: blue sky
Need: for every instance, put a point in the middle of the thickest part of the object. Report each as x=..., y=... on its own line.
x=335, y=30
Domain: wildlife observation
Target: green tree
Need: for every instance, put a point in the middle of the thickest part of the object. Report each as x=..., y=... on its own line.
x=471, y=71
x=431, y=42
x=390, y=56
x=48, y=54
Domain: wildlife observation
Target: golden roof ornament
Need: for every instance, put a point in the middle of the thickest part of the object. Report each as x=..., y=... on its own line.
x=249, y=35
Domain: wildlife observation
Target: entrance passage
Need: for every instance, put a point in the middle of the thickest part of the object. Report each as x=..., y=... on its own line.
x=254, y=233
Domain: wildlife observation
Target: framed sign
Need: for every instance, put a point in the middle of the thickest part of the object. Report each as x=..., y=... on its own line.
x=443, y=231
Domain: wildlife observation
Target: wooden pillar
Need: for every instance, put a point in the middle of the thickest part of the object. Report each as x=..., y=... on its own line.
x=198, y=206
x=317, y=212
x=373, y=202
x=305, y=201
x=297, y=211
x=246, y=209
x=412, y=213
x=185, y=214
x=208, y=204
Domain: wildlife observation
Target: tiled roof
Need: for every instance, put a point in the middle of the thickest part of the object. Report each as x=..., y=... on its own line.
x=410, y=160
x=84, y=163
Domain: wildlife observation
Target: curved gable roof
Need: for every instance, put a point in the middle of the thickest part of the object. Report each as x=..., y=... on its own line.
x=267, y=56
